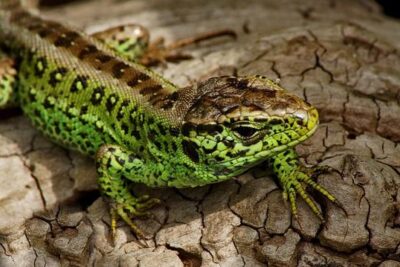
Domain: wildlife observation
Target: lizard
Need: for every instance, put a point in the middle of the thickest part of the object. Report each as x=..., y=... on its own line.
x=90, y=93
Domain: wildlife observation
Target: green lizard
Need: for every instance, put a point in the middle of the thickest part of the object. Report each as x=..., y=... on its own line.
x=87, y=93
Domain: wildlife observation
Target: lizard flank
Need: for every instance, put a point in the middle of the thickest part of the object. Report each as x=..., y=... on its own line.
x=90, y=94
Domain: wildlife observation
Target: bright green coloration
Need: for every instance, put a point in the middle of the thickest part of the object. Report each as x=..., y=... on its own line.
x=140, y=127
x=291, y=174
x=129, y=41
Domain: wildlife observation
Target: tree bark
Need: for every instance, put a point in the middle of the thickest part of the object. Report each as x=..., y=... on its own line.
x=341, y=56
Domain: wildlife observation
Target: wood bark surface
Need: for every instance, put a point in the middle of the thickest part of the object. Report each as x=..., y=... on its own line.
x=341, y=56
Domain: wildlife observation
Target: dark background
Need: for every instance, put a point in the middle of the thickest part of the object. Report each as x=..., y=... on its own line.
x=390, y=7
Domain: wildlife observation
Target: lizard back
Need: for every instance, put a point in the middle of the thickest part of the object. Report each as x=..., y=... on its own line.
x=80, y=93
x=85, y=97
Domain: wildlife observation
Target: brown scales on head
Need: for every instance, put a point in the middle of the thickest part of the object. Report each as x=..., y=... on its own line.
x=238, y=98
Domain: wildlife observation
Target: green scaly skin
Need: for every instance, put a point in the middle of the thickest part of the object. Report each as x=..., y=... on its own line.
x=141, y=128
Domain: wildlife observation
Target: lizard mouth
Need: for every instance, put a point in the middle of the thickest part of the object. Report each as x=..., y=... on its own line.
x=313, y=120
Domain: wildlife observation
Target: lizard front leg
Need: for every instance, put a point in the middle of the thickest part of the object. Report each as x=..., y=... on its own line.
x=114, y=165
x=292, y=176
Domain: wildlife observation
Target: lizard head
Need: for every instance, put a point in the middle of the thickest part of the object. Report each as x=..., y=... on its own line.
x=237, y=122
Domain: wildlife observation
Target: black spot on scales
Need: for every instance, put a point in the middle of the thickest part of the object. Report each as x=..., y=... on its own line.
x=57, y=129
x=120, y=161
x=174, y=131
x=275, y=121
x=111, y=102
x=125, y=128
x=300, y=122
x=29, y=55
x=131, y=158
x=80, y=83
x=186, y=128
x=40, y=67
x=103, y=58
x=260, y=119
x=229, y=144
x=162, y=130
x=111, y=149
x=174, y=147
x=140, y=78
x=158, y=144
x=32, y=95
x=44, y=32
x=136, y=134
x=70, y=113
x=219, y=158
x=47, y=103
x=56, y=76
x=87, y=50
x=169, y=101
x=167, y=105
x=151, y=89
x=133, y=82
x=121, y=109
x=209, y=151
x=84, y=109
x=97, y=95
x=99, y=127
x=190, y=149
x=66, y=39
x=132, y=116
x=118, y=69
x=173, y=97
x=238, y=83
x=210, y=128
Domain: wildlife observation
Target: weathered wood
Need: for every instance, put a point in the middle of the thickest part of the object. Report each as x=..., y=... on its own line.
x=342, y=56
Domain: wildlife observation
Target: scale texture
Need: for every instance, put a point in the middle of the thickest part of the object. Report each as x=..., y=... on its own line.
x=86, y=95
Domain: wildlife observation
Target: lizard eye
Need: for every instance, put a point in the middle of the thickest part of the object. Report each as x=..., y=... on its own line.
x=245, y=132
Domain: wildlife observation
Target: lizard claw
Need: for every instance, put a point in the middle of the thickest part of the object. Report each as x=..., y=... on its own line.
x=158, y=52
x=130, y=208
x=293, y=187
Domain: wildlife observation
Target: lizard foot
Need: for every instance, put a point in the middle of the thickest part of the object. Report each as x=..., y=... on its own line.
x=292, y=186
x=129, y=208
x=159, y=53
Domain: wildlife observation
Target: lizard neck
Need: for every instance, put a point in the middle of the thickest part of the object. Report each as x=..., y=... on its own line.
x=66, y=46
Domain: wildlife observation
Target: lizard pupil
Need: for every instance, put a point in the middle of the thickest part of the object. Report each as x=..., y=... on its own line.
x=245, y=132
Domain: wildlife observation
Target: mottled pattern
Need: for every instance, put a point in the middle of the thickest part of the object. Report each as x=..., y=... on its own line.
x=130, y=41
x=139, y=127
x=7, y=82
x=239, y=122
x=135, y=79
